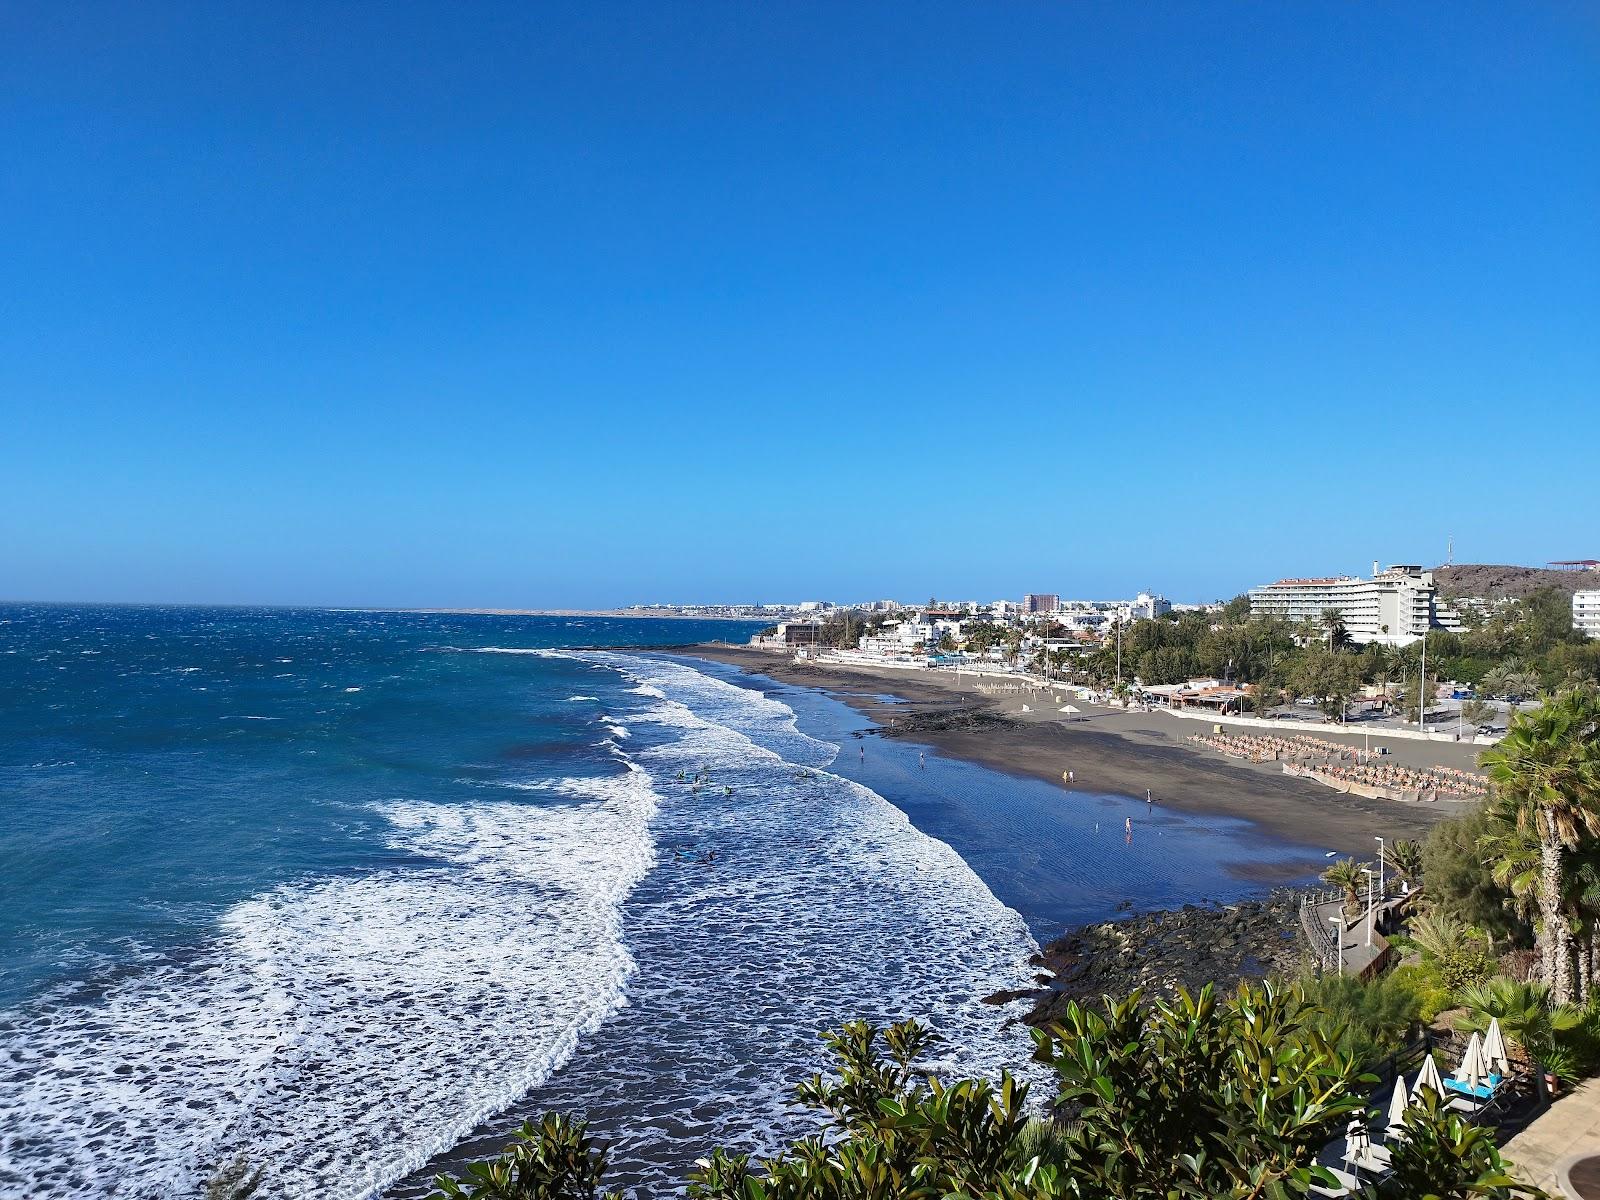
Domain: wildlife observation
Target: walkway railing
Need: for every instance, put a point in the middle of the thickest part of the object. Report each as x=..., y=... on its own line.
x=1324, y=942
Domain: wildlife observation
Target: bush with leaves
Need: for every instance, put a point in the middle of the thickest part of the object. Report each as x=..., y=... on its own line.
x=1162, y=1100
x=1199, y=1098
x=893, y=1131
x=235, y=1180
x=1367, y=1019
x=1456, y=954
x=1460, y=885
x=553, y=1160
x=1441, y=1157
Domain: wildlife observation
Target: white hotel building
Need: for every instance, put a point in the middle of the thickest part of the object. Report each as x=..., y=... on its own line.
x=1586, y=613
x=1394, y=607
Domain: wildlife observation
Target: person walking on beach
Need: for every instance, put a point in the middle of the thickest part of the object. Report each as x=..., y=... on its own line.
x=1072, y=777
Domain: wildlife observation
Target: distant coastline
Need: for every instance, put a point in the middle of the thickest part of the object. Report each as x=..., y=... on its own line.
x=652, y=614
x=1107, y=750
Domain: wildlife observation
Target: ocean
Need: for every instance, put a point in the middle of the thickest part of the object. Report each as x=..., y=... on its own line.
x=354, y=893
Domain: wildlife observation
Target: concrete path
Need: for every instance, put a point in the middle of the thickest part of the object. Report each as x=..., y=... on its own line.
x=1352, y=931
x=1570, y=1128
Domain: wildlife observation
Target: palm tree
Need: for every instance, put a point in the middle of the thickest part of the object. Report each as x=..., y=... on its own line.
x=1348, y=875
x=1437, y=935
x=1266, y=697
x=1405, y=856
x=1333, y=622
x=1528, y=1013
x=1547, y=772
x=1513, y=861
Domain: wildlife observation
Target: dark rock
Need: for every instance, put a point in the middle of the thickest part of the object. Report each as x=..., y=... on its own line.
x=1162, y=952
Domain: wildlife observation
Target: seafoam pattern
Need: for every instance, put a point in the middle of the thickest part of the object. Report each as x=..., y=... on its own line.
x=786, y=900
x=342, y=1033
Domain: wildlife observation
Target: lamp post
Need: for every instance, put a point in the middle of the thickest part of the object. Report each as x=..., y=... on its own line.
x=1367, y=871
x=1381, y=892
x=1119, y=651
x=1338, y=934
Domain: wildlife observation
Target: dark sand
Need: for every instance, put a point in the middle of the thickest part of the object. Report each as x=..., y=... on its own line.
x=1109, y=751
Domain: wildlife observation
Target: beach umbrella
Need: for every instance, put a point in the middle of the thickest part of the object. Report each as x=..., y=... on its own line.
x=1357, y=1142
x=1494, y=1049
x=1472, y=1070
x=1397, y=1106
x=1070, y=708
x=1428, y=1077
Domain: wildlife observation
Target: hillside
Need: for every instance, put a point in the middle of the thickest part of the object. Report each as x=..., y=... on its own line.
x=1495, y=581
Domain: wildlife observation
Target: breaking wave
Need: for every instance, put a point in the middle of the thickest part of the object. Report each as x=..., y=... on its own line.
x=341, y=1034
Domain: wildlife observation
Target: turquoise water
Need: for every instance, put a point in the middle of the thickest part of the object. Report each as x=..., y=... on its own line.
x=336, y=889
x=158, y=765
x=355, y=893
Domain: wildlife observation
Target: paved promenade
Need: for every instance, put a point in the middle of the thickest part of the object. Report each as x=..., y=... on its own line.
x=1571, y=1128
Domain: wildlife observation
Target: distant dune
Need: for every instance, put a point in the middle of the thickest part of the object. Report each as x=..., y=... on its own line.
x=1494, y=580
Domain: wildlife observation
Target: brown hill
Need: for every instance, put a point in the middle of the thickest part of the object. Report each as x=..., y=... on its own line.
x=1493, y=581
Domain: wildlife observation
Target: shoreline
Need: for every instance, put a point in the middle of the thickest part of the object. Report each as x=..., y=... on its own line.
x=1181, y=943
x=1108, y=751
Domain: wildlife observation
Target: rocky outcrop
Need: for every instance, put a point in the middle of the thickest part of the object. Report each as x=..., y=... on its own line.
x=1161, y=952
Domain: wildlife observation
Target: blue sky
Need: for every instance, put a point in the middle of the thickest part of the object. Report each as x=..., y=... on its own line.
x=588, y=304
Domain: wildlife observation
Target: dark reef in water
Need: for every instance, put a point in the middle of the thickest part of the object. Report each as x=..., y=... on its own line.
x=1161, y=952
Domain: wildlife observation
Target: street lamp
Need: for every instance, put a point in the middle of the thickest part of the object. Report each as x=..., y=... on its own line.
x=1367, y=871
x=1381, y=892
x=1338, y=934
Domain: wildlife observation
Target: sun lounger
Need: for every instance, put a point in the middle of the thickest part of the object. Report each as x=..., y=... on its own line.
x=1482, y=1091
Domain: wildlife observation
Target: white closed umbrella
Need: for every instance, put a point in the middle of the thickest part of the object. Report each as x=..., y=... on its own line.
x=1357, y=1143
x=1494, y=1049
x=1472, y=1071
x=1397, y=1106
x=1428, y=1077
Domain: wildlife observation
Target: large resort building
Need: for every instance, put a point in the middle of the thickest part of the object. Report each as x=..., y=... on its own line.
x=1586, y=613
x=1395, y=607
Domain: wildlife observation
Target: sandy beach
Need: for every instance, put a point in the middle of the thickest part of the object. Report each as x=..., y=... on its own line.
x=1109, y=750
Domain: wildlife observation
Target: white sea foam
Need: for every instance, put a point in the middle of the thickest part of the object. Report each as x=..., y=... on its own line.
x=340, y=1033
x=787, y=901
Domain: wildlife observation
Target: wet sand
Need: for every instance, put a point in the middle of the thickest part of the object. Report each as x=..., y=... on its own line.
x=1108, y=751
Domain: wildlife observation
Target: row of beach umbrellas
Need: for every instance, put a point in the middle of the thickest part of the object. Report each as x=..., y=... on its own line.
x=1485, y=1057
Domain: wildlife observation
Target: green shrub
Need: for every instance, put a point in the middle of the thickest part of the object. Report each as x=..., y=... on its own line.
x=1423, y=983
x=1366, y=1020
x=1192, y=1099
x=1460, y=886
